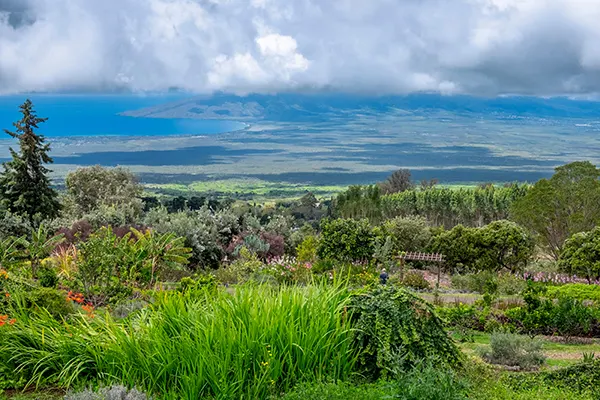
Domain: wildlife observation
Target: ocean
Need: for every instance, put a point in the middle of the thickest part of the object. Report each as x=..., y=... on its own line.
x=98, y=115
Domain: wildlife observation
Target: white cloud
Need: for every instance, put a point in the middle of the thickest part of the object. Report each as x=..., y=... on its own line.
x=541, y=47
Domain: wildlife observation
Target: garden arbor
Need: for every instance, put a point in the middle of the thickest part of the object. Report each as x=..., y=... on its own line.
x=418, y=256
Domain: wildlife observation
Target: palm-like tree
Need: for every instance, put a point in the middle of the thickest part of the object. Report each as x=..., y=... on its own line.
x=160, y=249
x=40, y=246
x=10, y=250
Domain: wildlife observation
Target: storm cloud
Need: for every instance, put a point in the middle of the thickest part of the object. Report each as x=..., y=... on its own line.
x=487, y=47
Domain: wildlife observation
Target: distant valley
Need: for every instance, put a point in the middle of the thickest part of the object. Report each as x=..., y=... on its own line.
x=320, y=140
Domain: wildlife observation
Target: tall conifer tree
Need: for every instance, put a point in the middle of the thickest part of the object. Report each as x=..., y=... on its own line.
x=24, y=185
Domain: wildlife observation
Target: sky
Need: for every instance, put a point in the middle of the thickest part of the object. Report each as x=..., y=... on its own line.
x=479, y=47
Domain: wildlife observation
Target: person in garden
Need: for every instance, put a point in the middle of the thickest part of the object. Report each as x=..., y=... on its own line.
x=383, y=277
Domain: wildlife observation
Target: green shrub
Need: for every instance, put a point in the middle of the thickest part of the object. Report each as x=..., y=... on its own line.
x=205, y=231
x=580, y=255
x=103, y=265
x=514, y=351
x=200, y=281
x=346, y=240
x=241, y=270
x=52, y=300
x=10, y=378
x=416, y=281
x=357, y=275
x=572, y=318
x=322, y=266
x=307, y=250
x=566, y=317
x=536, y=316
x=149, y=252
x=462, y=282
x=108, y=265
x=396, y=330
x=579, y=291
x=462, y=319
x=47, y=277
x=9, y=286
x=582, y=377
x=499, y=246
x=506, y=284
x=510, y=285
x=473, y=282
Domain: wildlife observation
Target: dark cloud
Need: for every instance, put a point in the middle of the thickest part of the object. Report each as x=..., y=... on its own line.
x=540, y=47
x=16, y=13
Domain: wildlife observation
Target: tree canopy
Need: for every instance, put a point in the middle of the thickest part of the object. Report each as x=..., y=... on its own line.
x=346, y=240
x=89, y=188
x=581, y=255
x=25, y=188
x=556, y=208
x=360, y=202
x=501, y=245
x=398, y=181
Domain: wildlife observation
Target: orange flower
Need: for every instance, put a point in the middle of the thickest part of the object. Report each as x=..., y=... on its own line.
x=76, y=297
x=3, y=273
x=89, y=309
x=12, y=321
x=3, y=319
x=7, y=294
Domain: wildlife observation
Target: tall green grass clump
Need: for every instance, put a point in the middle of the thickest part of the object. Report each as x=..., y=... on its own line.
x=249, y=344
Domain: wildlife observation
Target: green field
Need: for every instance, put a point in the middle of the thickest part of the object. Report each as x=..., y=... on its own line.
x=254, y=189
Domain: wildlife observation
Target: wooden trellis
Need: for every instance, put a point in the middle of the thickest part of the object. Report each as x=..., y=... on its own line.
x=418, y=256
x=414, y=256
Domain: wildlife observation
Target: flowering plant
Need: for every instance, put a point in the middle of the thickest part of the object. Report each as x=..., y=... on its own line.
x=4, y=320
x=555, y=278
x=289, y=269
x=75, y=297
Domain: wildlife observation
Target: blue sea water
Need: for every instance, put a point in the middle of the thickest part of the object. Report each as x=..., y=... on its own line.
x=98, y=115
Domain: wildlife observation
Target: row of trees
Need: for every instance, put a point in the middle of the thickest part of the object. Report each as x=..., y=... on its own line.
x=450, y=207
x=440, y=206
